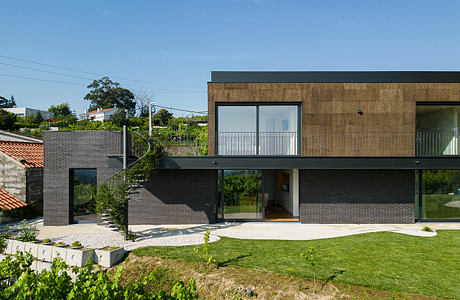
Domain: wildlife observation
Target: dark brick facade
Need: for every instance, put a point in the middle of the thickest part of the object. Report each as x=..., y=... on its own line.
x=356, y=196
x=176, y=197
x=64, y=150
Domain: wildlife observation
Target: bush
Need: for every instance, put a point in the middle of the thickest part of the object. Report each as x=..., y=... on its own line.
x=89, y=283
x=27, y=232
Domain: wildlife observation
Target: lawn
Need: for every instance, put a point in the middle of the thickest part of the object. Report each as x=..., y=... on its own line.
x=386, y=261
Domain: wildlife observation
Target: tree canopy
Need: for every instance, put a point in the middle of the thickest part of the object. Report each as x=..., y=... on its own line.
x=61, y=110
x=163, y=116
x=105, y=93
x=7, y=120
x=7, y=103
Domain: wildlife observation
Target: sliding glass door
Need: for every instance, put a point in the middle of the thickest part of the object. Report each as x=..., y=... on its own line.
x=240, y=195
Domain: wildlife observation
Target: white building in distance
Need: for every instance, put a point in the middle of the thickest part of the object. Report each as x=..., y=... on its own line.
x=100, y=114
x=25, y=111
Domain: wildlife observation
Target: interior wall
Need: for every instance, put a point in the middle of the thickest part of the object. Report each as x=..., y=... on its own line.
x=285, y=198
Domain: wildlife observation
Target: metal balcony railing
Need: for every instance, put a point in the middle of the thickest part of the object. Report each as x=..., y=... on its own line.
x=386, y=144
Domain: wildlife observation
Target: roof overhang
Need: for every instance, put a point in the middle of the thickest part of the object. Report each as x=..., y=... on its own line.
x=314, y=163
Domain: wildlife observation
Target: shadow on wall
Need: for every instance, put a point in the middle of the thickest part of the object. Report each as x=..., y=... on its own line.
x=176, y=197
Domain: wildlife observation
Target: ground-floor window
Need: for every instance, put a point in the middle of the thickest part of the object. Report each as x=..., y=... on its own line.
x=440, y=194
x=83, y=188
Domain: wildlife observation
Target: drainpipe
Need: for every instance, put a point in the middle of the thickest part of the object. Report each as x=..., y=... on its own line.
x=150, y=118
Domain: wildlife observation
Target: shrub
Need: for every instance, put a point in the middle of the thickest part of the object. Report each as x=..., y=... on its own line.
x=76, y=244
x=427, y=229
x=311, y=257
x=89, y=283
x=27, y=232
x=204, y=252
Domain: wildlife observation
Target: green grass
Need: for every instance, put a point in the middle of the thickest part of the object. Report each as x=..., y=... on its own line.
x=384, y=260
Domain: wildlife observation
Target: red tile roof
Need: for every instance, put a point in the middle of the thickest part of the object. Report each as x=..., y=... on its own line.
x=8, y=201
x=28, y=154
x=96, y=111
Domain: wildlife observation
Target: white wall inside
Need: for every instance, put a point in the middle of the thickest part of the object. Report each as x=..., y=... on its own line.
x=289, y=200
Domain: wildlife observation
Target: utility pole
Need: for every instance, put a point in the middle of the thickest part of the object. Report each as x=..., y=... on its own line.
x=150, y=118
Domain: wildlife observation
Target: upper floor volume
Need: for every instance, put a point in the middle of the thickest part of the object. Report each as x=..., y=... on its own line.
x=334, y=114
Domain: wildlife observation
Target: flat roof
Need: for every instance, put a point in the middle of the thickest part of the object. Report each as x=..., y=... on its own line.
x=336, y=77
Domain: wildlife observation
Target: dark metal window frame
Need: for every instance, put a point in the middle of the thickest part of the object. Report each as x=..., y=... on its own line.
x=222, y=200
x=71, y=192
x=257, y=105
x=420, y=218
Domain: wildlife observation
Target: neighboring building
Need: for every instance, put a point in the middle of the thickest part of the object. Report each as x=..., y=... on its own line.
x=25, y=111
x=100, y=114
x=21, y=171
x=314, y=147
x=18, y=137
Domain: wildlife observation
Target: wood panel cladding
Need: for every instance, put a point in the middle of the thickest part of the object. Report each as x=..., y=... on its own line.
x=331, y=125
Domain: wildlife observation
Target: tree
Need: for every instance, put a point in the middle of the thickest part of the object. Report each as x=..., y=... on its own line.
x=142, y=99
x=163, y=116
x=61, y=110
x=7, y=120
x=119, y=118
x=105, y=93
x=5, y=103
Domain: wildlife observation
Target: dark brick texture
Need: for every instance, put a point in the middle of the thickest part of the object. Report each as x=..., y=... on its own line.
x=356, y=196
x=65, y=150
x=176, y=197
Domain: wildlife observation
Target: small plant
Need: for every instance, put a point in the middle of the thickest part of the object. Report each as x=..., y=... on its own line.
x=131, y=236
x=311, y=257
x=427, y=229
x=75, y=244
x=203, y=253
x=27, y=232
x=47, y=240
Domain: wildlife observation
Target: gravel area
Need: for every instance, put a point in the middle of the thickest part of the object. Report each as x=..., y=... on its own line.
x=161, y=237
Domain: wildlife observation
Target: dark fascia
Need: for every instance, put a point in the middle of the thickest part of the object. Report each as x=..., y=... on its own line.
x=336, y=77
x=313, y=163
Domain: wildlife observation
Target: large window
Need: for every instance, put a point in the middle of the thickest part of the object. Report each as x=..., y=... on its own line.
x=440, y=194
x=83, y=189
x=240, y=195
x=437, y=130
x=257, y=129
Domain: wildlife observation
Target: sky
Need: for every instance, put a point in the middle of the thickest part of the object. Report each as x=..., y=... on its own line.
x=51, y=50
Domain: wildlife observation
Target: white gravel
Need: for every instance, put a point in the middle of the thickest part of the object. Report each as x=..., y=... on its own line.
x=161, y=237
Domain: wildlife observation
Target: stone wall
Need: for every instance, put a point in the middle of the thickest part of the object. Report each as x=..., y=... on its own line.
x=13, y=177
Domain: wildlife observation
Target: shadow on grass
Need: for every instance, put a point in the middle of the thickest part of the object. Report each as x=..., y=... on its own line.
x=332, y=277
x=228, y=261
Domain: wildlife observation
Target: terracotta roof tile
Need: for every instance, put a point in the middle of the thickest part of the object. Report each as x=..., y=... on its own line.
x=27, y=153
x=8, y=201
x=96, y=111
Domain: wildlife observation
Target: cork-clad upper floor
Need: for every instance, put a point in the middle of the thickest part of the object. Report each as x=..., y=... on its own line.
x=343, y=113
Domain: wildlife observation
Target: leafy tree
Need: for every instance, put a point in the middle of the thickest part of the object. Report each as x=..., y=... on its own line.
x=7, y=120
x=61, y=110
x=119, y=118
x=5, y=103
x=105, y=93
x=163, y=117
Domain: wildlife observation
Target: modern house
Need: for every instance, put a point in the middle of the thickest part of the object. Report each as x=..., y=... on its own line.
x=100, y=114
x=21, y=174
x=25, y=111
x=314, y=147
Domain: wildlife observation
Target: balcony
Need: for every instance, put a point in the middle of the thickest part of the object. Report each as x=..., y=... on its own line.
x=319, y=144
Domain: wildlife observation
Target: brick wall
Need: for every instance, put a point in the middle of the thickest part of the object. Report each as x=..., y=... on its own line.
x=356, y=196
x=176, y=197
x=64, y=150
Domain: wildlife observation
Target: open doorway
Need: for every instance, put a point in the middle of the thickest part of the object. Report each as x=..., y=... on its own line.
x=281, y=195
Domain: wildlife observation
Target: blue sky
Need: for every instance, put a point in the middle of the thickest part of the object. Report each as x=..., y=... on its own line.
x=169, y=48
